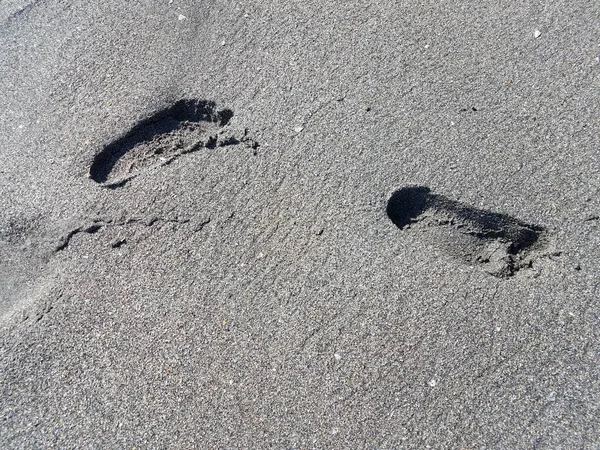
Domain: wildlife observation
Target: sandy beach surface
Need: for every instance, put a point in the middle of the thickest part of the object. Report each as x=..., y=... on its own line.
x=299, y=224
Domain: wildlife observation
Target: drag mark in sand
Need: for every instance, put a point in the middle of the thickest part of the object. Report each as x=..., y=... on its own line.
x=185, y=127
x=23, y=10
x=501, y=243
x=98, y=224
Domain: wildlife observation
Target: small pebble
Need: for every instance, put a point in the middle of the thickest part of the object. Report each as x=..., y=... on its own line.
x=298, y=128
x=181, y=17
x=337, y=356
x=432, y=382
x=537, y=33
x=118, y=242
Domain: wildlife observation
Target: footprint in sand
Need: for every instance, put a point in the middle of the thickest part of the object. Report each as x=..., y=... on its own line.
x=21, y=265
x=185, y=127
x=501, y=244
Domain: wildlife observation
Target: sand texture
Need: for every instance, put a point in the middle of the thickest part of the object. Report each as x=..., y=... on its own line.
x=299, y=224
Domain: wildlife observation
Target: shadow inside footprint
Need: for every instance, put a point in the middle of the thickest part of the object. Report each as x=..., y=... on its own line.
x=406, y=204
x=181, y=128
x=497, y=240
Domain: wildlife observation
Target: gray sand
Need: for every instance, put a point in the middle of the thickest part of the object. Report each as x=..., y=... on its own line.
x=259, y=296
